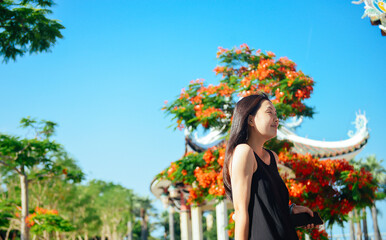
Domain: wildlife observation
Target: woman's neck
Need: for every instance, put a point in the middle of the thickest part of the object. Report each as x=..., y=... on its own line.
x=256, y=143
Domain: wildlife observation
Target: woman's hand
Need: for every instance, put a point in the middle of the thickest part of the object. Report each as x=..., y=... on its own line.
x=302, y=209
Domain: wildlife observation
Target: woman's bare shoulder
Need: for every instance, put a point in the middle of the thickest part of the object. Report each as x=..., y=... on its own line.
x=243, y=156
x=243, y=148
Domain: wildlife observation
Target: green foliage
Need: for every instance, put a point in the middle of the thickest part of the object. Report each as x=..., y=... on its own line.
x=24, y=27
x=50, y=223
x=183, y=170
x=39, y=156
x=43, y=128
x=374, y=166
x=277, y=145
x=7, y=212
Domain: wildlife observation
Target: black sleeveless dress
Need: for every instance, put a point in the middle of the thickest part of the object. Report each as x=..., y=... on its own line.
x=269, y=217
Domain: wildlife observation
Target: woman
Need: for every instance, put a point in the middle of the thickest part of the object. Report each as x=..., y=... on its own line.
x=251, y=179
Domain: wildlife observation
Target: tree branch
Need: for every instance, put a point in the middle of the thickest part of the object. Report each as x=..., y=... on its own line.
x=5, y=164
x=19, y=152
x=41, y=175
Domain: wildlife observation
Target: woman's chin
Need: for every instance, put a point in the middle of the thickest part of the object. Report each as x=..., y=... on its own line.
x=273, y=134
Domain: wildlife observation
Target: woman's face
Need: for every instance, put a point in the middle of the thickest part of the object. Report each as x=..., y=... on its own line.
x=265, y=121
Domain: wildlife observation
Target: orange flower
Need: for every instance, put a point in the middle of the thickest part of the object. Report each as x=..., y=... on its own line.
x=208, y=157
x=271, y=54
x=196, y=99
x=219, y=69
x=221, y=50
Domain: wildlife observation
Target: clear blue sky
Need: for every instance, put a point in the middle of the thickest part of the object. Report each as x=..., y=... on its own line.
x=106, y=81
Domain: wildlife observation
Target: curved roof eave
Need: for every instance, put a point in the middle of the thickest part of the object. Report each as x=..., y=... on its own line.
x=351, y=144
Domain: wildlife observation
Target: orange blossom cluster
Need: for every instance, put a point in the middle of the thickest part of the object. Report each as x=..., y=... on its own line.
x=317, y=181
x=39, y=211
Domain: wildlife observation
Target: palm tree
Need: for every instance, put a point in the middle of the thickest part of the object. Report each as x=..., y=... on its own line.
x=144, y=207
x=352, y=226
x=379, y=174
x=358, y=223
x=364, y=223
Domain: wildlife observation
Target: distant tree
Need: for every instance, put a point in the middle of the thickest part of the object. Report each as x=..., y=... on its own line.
x=113, y=205
x=24, y=27
x=31, y=159
x=144, y=209
x=164, y=223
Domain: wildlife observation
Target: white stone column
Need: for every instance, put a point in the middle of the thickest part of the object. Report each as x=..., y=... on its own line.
x=185, y=225
x=185, y=222
x=222, y=220
x=197, y=233
x=171, y=223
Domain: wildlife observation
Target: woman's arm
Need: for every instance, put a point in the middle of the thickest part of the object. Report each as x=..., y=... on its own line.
x=243, y=167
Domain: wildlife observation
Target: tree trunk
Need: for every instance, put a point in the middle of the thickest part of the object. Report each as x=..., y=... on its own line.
x=364, y=224
x=115, y=234
x=129, y=230
x=24, y=230
x=343, y=234
x=109, y=235
x=102, y=233
x=46, y=235
x=143, y=224
x=171, y=224
x=377, y=234
x=358, y=222
x=331, y=236
x=8, y=231
x=352, y=227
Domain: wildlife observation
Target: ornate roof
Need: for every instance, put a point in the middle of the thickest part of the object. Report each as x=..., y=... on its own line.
x=376, y=11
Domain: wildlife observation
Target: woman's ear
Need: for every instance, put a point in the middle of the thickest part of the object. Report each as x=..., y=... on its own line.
x=250, y=120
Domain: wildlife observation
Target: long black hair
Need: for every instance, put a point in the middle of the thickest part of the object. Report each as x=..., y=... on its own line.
x=239, y=131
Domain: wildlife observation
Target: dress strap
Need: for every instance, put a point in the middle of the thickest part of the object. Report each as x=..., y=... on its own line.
x=258, y=159
x=272, y=158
